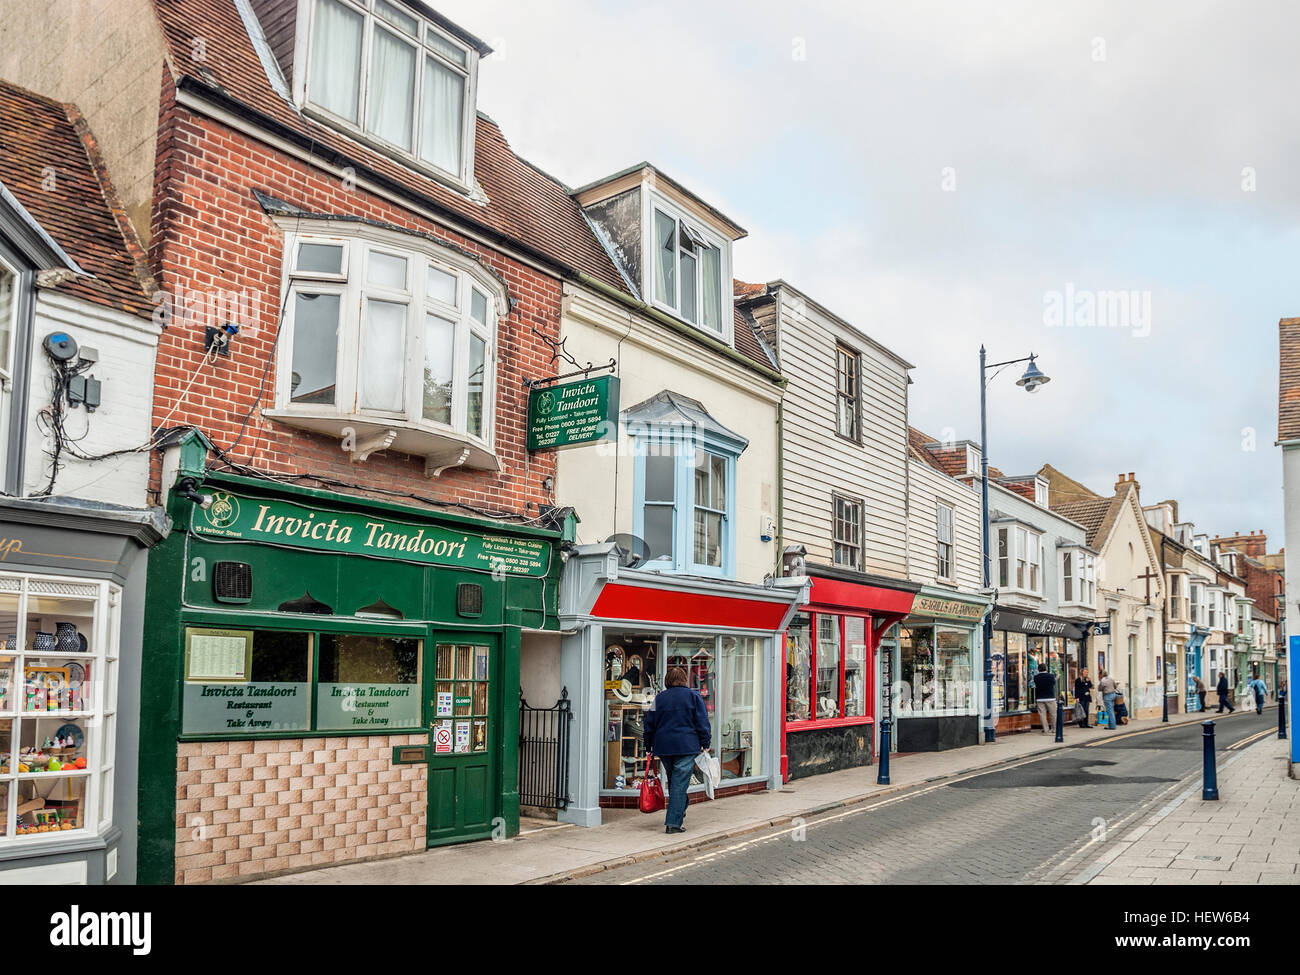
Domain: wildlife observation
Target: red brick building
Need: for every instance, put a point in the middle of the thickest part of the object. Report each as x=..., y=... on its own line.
x=357, y=279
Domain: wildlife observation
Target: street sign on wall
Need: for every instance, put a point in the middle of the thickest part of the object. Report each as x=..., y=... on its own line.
x=572, y=414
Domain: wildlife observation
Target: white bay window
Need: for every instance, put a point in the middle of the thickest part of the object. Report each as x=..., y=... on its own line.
x=379, y=71
x=1078, y=577
x=391, y=337
x=1019, y=559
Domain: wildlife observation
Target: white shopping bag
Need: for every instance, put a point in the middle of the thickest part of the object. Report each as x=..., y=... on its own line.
x=710, y=770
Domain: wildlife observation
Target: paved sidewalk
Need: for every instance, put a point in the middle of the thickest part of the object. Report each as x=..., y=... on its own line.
x=1250, y=835
x=549, y=852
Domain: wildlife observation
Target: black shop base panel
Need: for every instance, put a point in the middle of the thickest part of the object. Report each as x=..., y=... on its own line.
x=923, y=734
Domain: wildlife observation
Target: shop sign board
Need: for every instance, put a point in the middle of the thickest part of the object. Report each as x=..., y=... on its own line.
x=573, y=414
x=1035, y=624
x=953, y=608
x=233, y=517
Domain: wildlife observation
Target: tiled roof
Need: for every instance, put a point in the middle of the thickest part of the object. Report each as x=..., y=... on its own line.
x=930, y=451
x=525, y=205
x=1288, y=395
x=50, y=163
x=1096, y=516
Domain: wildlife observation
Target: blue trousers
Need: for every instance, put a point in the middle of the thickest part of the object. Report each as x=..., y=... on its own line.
x=679, y=781
x=1109, y=699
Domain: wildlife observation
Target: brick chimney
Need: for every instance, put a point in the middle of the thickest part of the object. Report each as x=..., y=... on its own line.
x=1123, y=480
x=1254, y=545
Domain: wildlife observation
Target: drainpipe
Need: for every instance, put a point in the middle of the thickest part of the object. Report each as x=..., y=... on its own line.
x=1164, y=638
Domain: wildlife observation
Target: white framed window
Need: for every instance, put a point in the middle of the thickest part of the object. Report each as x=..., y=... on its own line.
x=389, y=328
x=1078, y=577
x=1040, y=492
x=1175, y=594
x=380, y=72
x=1020, y=559
x=8, y=317
x=943, y=527
x=59, y=648
x=848, y=532
x=690, y=269
x=1196, y=604
x=684, y=499
x=1214, y=602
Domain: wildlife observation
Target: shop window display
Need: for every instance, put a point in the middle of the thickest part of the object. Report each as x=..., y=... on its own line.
x=726, y=671
x=1035, y=654
x=1015, y=670
x=632, y=667
x=935, y=670
x=915, y=669
x=798, y=684
x=855, y=667
x=741, y=691
x=58, y=673
x=828, y=666
x=953, y=669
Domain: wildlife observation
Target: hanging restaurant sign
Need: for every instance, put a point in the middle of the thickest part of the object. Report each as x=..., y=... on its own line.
x=233, y=517
x=572, y=414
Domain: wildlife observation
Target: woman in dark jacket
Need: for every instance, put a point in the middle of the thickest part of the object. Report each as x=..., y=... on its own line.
x=677, y=729
x=1083, y=694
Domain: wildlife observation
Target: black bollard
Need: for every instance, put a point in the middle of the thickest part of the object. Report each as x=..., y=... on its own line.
x=1210, y=787
x=1060, y=720
x=882, y=776
x=1281, y=714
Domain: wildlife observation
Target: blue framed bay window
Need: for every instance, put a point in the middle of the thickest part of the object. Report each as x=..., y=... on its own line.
x=684, y=495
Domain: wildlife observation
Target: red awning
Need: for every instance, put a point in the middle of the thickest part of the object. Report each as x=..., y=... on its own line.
x=624, y=602
x=858, y=597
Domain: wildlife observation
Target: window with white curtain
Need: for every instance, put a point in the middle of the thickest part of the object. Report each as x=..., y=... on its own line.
x=401, y=329
x=689, y=269
x=943, y=525
x=8, y=310
x=381, y=71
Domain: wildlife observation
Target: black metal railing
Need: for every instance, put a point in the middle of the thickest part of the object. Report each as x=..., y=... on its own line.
x=544, y=753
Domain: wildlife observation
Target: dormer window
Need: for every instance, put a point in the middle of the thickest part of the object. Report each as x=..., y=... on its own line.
x=688, y=269
x=388, y=76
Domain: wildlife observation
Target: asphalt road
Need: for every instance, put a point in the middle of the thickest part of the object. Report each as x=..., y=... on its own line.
x=1023, y=823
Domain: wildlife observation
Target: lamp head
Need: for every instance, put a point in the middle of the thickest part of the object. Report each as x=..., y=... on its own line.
x=1033, y=377
x=188, y=488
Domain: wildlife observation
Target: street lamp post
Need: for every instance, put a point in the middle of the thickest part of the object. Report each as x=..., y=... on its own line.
x=1031, y=380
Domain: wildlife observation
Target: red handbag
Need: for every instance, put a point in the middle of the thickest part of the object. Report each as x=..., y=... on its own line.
x=652, y=792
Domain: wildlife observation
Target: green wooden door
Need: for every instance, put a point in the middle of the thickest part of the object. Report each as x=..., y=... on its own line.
x=464, y=738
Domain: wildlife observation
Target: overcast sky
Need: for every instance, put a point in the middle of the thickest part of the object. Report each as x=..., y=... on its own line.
x=943, y=175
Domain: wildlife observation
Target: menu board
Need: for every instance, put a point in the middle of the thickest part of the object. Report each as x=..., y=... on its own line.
x=215, y=656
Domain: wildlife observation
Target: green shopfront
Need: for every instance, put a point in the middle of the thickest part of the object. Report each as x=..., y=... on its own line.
x=330, y=678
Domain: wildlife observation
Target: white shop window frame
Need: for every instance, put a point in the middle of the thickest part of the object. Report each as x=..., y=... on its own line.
x=356, y=130
x=9, y=274
x=352, y=287
x=100, y=720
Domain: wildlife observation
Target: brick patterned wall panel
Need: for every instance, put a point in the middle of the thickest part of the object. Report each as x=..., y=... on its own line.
x=248, y=808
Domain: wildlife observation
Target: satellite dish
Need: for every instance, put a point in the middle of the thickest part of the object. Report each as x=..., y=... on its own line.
x=632, y=551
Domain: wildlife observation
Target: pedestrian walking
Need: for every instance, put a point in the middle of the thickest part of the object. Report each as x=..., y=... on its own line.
x=1225, y=695
x=1045, y=696
x=676, y=730
x=1107, y=688
x=1200, y=689
x=1261, y=690
x=1083, y=696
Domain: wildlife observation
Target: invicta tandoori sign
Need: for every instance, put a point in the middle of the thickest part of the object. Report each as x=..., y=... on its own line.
x=233, y=517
